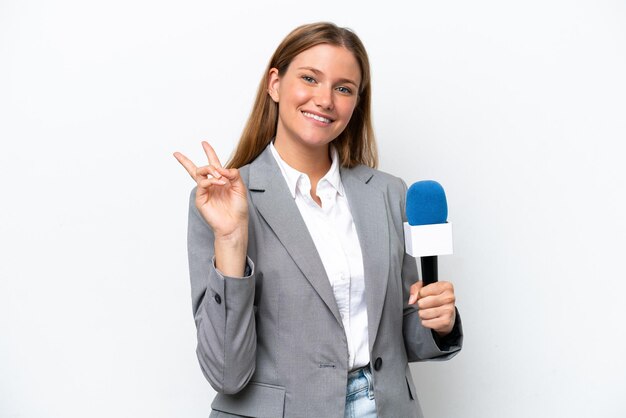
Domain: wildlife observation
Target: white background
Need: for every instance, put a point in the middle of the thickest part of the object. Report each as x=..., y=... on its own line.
x=517, y=108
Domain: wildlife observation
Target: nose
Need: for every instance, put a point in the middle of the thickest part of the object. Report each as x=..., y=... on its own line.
x=324, y=97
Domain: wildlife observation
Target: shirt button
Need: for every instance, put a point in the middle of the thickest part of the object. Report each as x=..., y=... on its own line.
x=218, y=299
x=378, y=364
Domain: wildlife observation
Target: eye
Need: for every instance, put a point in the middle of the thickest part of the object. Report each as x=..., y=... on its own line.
x=344, y=90
x=308, y=79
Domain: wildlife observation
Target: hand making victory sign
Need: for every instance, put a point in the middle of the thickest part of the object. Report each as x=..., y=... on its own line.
x=221, y=199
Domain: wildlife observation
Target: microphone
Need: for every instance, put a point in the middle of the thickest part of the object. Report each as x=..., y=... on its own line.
x=427, y=234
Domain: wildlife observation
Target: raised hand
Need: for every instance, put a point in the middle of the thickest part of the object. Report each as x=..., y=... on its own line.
x=221, y=199
x=221, y=196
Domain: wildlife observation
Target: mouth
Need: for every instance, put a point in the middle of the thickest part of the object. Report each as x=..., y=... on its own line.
x=316, y=117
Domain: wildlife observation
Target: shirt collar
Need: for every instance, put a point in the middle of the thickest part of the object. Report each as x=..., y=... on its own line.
x=292, y=175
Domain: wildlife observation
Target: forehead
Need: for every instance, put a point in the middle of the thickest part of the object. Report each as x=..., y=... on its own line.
x=333, y=61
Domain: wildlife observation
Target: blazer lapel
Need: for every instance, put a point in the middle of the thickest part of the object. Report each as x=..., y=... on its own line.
x=272, y=198
x=369, y=212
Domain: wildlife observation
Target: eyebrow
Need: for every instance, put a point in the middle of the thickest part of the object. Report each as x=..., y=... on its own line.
x=341, y=80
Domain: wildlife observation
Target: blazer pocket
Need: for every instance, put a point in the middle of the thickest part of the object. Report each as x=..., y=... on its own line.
x=409, y=384
x=258, y=400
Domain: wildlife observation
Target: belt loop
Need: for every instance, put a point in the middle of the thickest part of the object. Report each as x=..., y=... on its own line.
x=367, y=372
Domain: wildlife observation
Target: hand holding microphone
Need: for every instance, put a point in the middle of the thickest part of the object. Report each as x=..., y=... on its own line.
x=428, y=235
x=436, y=305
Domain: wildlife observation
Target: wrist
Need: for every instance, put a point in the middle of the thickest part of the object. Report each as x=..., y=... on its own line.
x=230, y=253
x=235, y=238
x=235, y=230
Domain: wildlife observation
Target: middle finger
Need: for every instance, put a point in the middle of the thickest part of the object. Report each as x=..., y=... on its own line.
x=187, y=163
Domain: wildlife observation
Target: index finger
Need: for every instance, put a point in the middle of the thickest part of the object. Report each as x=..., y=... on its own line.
x=211, y=155
x=436, y=288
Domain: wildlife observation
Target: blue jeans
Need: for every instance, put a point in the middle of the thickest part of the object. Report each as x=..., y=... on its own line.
x=360, y=401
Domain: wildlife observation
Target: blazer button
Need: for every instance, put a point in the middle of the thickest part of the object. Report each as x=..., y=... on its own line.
x=378, y=364
x=218, y=299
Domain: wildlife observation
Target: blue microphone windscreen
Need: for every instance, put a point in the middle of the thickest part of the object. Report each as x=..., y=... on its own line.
x=426, y=203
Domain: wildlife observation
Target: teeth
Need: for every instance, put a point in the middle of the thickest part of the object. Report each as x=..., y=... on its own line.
x=319, y=118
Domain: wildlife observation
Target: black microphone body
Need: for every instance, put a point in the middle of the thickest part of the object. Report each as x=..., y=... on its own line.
x=429, y=269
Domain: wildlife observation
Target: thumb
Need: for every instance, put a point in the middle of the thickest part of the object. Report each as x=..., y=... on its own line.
x=414, y=292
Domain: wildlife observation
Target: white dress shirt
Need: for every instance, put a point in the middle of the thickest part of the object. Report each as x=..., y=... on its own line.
x=332, y=228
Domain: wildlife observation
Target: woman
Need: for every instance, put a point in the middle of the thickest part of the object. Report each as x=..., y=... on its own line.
x=304, y=300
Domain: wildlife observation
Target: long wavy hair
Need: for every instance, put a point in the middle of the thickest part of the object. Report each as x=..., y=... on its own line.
x=356, y=144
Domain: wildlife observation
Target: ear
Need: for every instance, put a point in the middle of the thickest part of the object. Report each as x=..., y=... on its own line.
x=273, y=84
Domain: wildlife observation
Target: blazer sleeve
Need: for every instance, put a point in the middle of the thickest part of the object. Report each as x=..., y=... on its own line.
x=223, y=309
x=421, y=343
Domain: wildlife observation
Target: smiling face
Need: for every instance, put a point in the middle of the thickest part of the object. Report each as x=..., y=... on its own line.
x=316, y=96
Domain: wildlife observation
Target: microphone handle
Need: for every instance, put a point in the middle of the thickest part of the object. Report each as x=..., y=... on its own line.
x=429, y=270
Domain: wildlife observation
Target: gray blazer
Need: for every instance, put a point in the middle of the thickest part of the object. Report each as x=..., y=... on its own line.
x=272, y=344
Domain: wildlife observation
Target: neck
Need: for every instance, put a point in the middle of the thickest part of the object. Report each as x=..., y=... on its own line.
x=312, y=161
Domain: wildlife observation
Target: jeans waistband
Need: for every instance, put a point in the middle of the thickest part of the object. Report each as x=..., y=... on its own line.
x=355, y=371
x=360, y=380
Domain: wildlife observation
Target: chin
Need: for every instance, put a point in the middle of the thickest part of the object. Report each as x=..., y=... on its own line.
x=317, y=139
x=317, y=142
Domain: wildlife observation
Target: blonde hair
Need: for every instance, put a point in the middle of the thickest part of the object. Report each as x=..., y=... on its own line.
x=356, y=144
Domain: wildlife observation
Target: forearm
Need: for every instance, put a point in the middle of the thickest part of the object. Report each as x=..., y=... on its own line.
x=223, y=309
x=230, y=252
x=226, y=332
x=421, y=344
